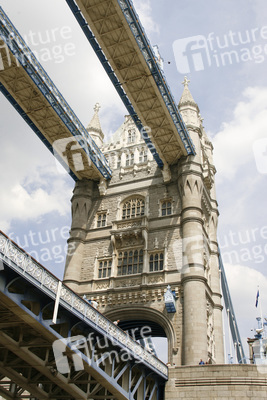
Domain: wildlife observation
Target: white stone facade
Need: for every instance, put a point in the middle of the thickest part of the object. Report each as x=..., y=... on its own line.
x=141, y=232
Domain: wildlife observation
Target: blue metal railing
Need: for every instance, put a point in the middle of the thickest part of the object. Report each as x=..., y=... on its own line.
x=33, y=68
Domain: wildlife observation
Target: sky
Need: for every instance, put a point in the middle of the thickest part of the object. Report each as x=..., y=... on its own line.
x=221, y=46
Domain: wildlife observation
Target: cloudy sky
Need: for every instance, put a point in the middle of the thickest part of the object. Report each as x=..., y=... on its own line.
x=222, y=47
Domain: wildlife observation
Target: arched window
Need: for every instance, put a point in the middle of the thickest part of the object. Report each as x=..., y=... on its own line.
x=130, y=262
x=101, y=219
x=156, y=262
x=129, y=159
x=133, y=208
x=143, y=156
x=166, y=207
x=131, y=135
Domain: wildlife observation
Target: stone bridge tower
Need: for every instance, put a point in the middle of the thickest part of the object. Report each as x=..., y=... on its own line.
x=147, y=230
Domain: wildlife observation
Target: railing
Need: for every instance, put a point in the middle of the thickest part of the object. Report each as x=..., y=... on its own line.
x=23, y=264
x=139, y=34
x=26, y=58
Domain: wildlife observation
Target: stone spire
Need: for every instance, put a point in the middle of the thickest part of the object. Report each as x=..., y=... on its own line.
x=187, y=98
x=94, y=127
x=188, y=107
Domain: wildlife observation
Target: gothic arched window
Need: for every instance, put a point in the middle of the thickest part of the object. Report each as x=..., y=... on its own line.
x=133, y=208
x=143, y=156
x=166, y=207
x=131, y=135
x=129, y=159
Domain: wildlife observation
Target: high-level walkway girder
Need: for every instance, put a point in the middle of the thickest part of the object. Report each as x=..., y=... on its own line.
x=115, y=33
x=30, y=90
x=77, y=353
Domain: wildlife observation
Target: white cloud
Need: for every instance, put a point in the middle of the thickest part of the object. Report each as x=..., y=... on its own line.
x=243, y=283
x=233, y=145
x=29, y=198
x=144, y=11
x=30, y=183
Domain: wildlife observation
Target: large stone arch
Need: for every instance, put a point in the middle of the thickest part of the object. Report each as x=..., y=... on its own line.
x=150, y=315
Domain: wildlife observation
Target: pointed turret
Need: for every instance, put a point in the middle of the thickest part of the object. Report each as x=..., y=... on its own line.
x=94, y=127
x=188, y=107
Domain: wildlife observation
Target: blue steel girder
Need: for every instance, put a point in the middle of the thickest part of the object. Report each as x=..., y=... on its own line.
x=116, y=35
x=231, y=315
x=82, y=354
x=33, y=94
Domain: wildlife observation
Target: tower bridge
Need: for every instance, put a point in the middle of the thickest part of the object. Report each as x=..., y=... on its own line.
x=54, y=345
x=141, y=222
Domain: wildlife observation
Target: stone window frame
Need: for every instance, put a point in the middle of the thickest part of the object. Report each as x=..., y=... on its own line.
x=169, y=207
x=156, y=261
x=129, y=160
x=131, y=211
x=130, y=262
x=100, y=219
x=104, y=268
x=119, y=161
x=131, y=138
x=143, y=156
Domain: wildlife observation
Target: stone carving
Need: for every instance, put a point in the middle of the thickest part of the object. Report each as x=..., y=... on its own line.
x=129, y=224
x=104, y=285
x=156, y=279
x=128, y=282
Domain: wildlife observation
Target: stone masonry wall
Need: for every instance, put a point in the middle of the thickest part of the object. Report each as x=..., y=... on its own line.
x=216, y=382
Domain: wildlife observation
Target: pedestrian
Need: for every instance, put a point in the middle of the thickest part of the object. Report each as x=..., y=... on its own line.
x=94, y=303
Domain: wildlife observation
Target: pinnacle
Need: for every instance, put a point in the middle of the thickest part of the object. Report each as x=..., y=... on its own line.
x=94, y=124
x=187, y=98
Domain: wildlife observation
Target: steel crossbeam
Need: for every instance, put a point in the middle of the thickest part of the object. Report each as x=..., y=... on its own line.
x=115, y=33
x=80, y=355
x=33, y=94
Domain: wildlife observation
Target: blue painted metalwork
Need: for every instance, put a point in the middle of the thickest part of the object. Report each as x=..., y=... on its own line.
x=40, y=78
x=35, y=129
x=101, y=56
x=20, y=262
x=231, y=315
x=149, y=55
x=138, y=31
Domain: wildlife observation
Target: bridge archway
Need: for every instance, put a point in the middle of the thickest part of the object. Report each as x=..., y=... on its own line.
x=139, y=317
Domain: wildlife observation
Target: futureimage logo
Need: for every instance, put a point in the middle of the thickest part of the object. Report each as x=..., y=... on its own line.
x=81, y=348
x=57, y=46
x=197, y=53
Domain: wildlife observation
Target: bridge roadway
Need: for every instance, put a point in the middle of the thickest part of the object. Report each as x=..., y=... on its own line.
x=69, y=351
x=33, y=94
x=119, y=40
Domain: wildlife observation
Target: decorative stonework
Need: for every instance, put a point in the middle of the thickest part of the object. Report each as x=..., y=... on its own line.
x=128, y=282
x=156, y=279
x=101, y=286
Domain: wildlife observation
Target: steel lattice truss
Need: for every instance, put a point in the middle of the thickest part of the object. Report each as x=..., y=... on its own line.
x=30, y=90
x=81, y=355
x=115, y=33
